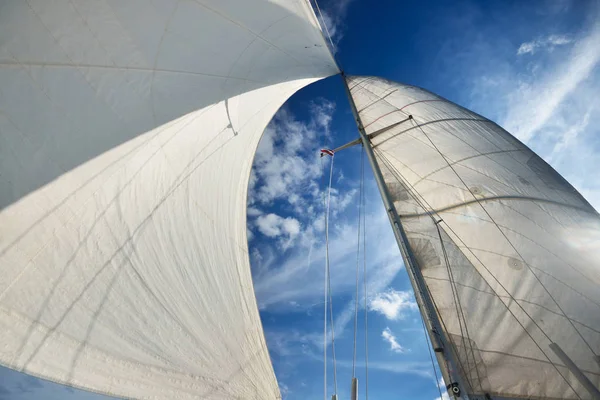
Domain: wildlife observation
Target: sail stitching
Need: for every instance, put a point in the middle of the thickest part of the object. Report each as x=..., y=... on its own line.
x=508, y=240
x=400, y=110
x=435, y=121
x=518, y=233
x=508, y=297
x=377, y=101
x=501, y=285
x=469, y=158
x=517, y=161
x=510, y=243
x=494, y=198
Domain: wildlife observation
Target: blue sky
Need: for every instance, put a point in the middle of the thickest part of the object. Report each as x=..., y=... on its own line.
x=530, y=66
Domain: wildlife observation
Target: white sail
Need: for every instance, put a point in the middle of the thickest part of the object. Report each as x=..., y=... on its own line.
x=127, y=134
x=519, y=267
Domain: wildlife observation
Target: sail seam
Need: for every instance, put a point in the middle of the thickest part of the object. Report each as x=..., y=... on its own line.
x=435, y=121
x=508, y=297
x=494, y=198
x=513, y=247
x=377, y=101
x=491, y=143
x=468, y=158
x=499, y=283
x=510, y=243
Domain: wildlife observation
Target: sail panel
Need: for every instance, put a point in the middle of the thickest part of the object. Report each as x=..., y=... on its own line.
x=128, y=134
x=508, y=248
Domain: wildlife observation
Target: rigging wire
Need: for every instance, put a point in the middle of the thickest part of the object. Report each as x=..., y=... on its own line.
x=364, y=221
x=390, y=165
x=459, y=309
x=326, y=28
x=485, y=267
x=429, y=346
x=356, y=300
x=324, y=315
x=327, y=290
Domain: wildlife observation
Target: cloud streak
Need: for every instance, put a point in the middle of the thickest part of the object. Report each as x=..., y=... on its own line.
x=547, y=43
x=535, y=103
x=389, y=337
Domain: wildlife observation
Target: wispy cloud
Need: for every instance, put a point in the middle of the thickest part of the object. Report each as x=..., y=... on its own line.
x=548, y=99
x=393, y=304
x=274, y=226
x=536, y=102
x=389, y=337
x=548, y=43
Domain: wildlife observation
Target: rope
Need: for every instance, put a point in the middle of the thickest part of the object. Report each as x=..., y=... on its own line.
x=325, y=306
x=327, y=289
x=325, y=24
x=364, y=218
x=360, y=210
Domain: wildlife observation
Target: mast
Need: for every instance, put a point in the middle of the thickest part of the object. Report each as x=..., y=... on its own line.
x=441, y=345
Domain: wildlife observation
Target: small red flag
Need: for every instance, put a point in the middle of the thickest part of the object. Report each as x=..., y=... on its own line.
x=326, y=151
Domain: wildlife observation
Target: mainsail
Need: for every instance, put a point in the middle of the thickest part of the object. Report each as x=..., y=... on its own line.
x=508, y=249
x=128, y=130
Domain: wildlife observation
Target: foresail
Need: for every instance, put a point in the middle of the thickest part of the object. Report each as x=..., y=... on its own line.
x=509, y=250
x=128, y=130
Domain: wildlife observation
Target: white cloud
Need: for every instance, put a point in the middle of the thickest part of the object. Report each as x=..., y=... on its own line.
x=299, y=276
x=275, y=226
x=287, y=166
x=389, y=337
x=547, y=43
x=253, y=212
x=393, y=304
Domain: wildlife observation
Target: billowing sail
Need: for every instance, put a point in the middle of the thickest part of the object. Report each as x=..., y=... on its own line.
x=509, y=250
x=127, y=134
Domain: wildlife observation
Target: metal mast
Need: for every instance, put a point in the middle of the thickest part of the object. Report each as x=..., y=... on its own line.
x=441, y=345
